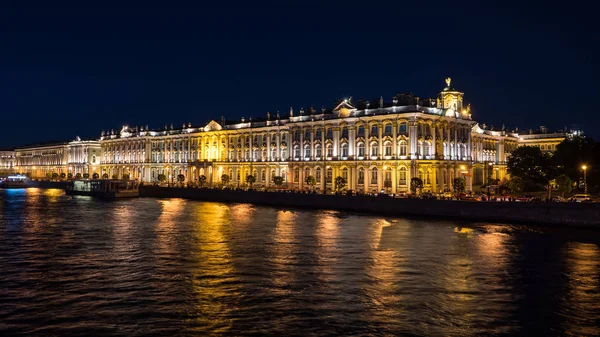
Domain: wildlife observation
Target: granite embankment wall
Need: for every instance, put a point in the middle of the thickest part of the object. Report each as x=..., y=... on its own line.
x=540, y=213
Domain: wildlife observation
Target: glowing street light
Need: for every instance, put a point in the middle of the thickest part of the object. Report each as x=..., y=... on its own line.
x=584, y=168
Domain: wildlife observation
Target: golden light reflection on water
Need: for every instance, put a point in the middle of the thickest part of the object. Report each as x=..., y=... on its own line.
x=284, y=254
x=327, y=233
x=583, y=293
x=167, y=222
x=214, y=274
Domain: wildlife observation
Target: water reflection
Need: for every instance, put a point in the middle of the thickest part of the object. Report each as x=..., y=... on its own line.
x=80, y=266
x=582, y=300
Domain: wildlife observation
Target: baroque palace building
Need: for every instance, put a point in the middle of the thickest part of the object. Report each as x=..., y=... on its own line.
x=373, y=145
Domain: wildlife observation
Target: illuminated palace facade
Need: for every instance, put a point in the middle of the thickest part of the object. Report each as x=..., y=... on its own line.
x=78, y=156
x=373, y=145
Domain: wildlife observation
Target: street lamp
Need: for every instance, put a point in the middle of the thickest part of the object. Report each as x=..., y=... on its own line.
x=584, y=168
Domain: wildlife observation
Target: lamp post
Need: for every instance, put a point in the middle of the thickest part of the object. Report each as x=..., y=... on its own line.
x=584, y=168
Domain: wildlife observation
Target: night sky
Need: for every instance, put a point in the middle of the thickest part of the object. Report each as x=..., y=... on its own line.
x=80, y=70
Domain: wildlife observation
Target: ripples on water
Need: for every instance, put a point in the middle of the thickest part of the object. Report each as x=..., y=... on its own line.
x=81, y=266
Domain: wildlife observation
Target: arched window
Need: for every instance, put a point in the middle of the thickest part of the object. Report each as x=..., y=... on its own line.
x=255, y=158
x=264, y=154
x=388, y=148
x=306, y=151
x=388, y=129
x=296, y=151
x=345, y=132
x=306, y=172
x=374, y=176
x=361, y=149
x=296, y=175
x=402, y=176
x=361, y=176
x=344, y=150
x=402, y=148
x=361, y=131
x=403, y=128
x=345, y=173
x=329, y=175
x=318, y=150
x=273, y=154
x=318, y=174
x=329, y=150
x=263, y=175
x=272, y=174
x=374, y=149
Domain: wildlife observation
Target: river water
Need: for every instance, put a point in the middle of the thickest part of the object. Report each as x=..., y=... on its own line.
x=80, y=266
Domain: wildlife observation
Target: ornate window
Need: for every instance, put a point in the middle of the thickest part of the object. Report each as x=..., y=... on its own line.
x=374, y=176
x=388, y=149
x=296, y=151
x=361, y=131
x=329, y=176
x=388, y=129
x=344, y=150
x=306, y=151
x=374, y=149
x=296, y=175
x=374, y=131
x=402, y=148
x=402, y=176
x=306, y=172
x=329, y=149
x=345, y=173
x=361, y=149
x=403, y=129
x=329, y=134
x=318, y=150
x=318, y=173
x=345, y=132
x=263, y=175
x=361, y=176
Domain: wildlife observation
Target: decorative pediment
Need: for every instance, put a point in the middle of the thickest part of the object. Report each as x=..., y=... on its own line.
x=344, y=109
x=213, y=126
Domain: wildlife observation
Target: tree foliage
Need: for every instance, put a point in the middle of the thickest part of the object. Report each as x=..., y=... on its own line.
x=278, y=180
x=105, y=176
x=339, y=183
x=202, y=179
x=310, y=181
x=416, y=184
x=459, y=184
x=250, y=179
x=95, y=176
x=565, y=184
x=125, y=176
x=516, y=185
x=87, y=175
x=161, y=178
x=530, y=163
x=180, y=178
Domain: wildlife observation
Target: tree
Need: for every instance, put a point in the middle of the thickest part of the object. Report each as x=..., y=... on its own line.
x=310, y=181
x=63, y=175
x=78, y=176
x=125, y=176
x=202, y=180
x=69, y=175
x=87, y=176
x=54, y=175
x=105, y=176
x=339, y=183
x=516, y=185
x=28, y=175
x=459, y=184
x=49, y=175
x=95, y=176
x=225, y=178
x=161, y=178
x=114, y=176
x=565, y=184
x=530, y=163
x=180, y=178
x=250, y=179
x=503, y=185
x=278, y=181
x=416, y=184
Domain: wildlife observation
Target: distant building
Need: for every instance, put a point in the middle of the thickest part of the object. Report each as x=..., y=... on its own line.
x=7, y=162
x=78, y=156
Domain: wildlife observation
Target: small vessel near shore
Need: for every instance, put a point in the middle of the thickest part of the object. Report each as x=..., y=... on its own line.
x=104, y=188
x=15, y=181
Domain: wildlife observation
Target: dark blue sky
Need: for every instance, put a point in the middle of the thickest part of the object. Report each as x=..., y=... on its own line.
x=67, y=71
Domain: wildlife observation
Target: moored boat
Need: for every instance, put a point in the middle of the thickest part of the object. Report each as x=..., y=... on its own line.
x=15, y=181
x=104, y=188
